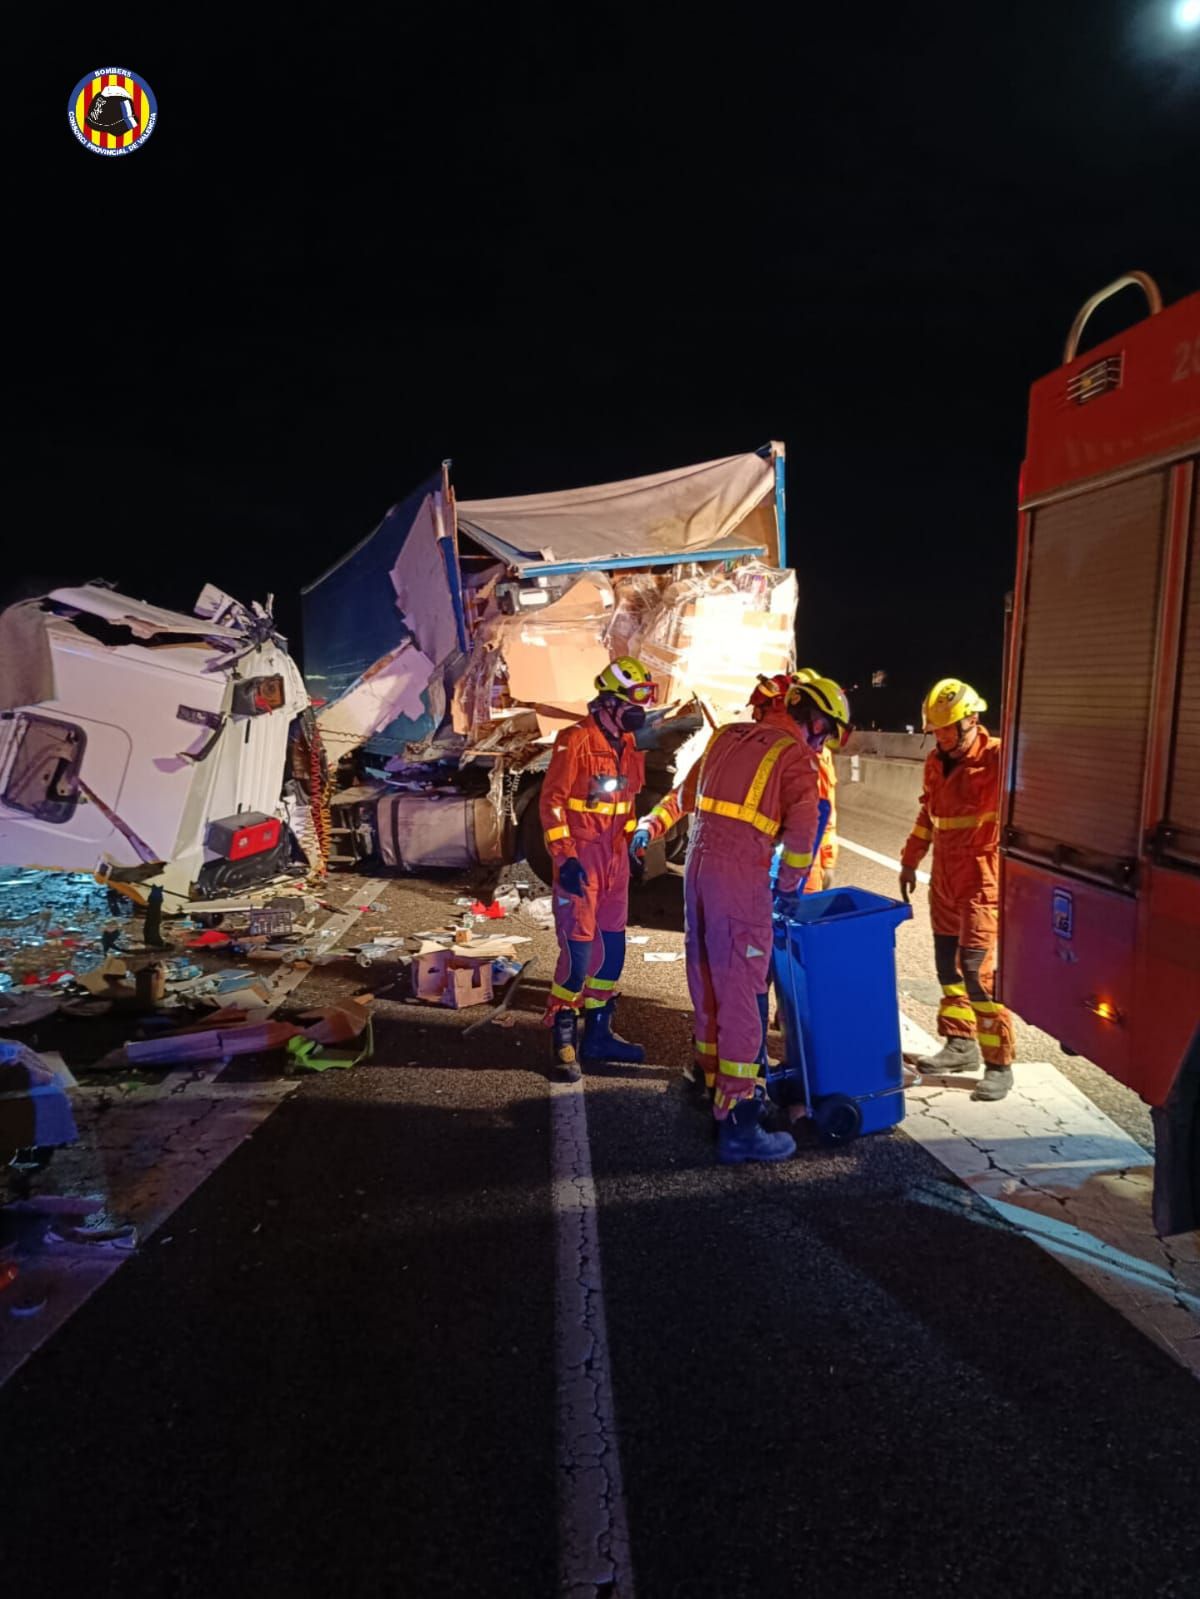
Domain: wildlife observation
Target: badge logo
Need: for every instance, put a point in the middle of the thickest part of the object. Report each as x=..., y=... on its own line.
x=112, y=111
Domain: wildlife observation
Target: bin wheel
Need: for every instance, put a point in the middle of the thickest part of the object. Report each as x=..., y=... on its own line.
x=837, y=1119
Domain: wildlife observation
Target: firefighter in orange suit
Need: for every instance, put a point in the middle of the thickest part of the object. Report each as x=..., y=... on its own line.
x=587, y=811
x=822, y=874
x=960, y=816
x=757, y=783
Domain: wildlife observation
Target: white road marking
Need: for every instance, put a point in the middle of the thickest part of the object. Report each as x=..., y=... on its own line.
x=1063, y=1173
x=594, y=1553
x=874, y=855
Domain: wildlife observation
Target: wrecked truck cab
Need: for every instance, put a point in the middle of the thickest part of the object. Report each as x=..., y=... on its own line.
x=454, y=642
x=145, y=745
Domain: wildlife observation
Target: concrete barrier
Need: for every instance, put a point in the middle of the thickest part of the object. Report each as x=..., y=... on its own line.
x=892, y=746
x=882, y=786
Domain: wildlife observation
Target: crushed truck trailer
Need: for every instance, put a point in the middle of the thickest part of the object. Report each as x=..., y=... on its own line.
x=451, y=645
x=148, y=746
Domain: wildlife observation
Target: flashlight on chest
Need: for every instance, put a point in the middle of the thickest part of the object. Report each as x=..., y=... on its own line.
x=605, y=787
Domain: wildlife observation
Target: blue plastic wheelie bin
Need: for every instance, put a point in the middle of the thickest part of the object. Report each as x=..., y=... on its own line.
x=834, y=970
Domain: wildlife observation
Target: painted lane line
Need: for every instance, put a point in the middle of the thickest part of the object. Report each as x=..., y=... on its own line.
x=874, y=855
x=594, y=1553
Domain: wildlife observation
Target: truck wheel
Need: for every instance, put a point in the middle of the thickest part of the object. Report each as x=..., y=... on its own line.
x=837, y=1119
x=531, y=841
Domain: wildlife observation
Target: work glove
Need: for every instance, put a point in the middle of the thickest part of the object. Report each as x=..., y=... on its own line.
x=571, y=875
x=908, y=881
x=639, y=844
x=786, y=905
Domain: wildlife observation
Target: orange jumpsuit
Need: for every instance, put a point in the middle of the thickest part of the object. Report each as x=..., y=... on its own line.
x=960, y=816
x=587, y=810
x=756, y=783
x=828, y=853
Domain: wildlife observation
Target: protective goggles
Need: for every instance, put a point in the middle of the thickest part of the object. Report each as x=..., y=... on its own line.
x=639, y=693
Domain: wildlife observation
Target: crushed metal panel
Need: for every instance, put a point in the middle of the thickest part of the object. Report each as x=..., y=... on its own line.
x=390, y=689
x=423, y=593
x=350, y=615
x=142, y=619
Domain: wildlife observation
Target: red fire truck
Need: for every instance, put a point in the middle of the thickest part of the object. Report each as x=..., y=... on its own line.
x=1101, y=810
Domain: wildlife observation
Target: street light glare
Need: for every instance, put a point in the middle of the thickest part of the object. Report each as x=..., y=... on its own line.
x=1187, y=14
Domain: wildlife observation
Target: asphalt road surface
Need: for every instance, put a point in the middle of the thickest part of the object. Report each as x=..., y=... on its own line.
x=336, y=1372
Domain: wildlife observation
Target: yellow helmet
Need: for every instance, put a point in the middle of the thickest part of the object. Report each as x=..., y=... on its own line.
x=827, y=696
x=628, y=679
x=948, y=702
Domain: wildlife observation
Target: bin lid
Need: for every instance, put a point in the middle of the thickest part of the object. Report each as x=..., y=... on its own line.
x=841, y=904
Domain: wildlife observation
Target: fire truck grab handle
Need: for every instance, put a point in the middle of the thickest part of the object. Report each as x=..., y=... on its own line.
x=1141, y=280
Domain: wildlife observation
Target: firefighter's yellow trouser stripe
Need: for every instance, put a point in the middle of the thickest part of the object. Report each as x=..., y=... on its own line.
x=738, y=1068
x=957, y=1013
x=569, y=995
x=988, y=1040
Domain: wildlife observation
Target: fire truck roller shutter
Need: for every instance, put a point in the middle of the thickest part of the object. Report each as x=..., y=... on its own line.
x=1087, y=669
x=1183, y=794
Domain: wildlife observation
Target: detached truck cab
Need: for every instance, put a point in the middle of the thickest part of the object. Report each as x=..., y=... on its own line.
x=1100, y=925
x=144, y=745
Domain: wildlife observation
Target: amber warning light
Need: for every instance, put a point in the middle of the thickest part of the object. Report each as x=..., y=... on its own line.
x=1105, y=1009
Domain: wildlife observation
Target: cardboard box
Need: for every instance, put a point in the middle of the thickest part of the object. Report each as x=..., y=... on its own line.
x=716, y=647
x=443, y=977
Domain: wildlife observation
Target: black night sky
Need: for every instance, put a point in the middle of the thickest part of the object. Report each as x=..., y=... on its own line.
x=567, y=244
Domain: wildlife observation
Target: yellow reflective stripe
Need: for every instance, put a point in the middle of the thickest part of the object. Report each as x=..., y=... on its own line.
x=765, y=767
x=748, y=811
x=631, y=825
x=954, y=988
x=702, y=1048
x=740, y=813
x=943, y=822
x=987, y=1007
x=601, y=982
x=958, y=1013
x=922, y=833
x=988, y=1040
x=738, y=1068
x=557, y=832
x=594, y=1004
x=571, y=995
x=792, y=858
x=601, y=807
x=661, y=814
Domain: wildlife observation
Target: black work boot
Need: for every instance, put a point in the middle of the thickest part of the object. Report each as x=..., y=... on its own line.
x=565, y=1028
x=602, y=1042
